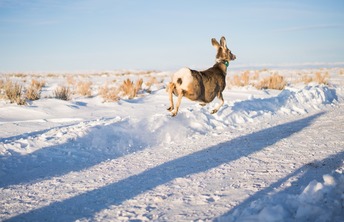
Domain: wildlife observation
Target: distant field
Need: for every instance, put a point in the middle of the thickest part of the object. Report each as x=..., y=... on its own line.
x=115, y=85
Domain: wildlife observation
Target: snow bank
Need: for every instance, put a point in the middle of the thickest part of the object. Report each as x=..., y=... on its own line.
x=291, y=101
x=318, y=202
x=197, y=120
x=123, y=135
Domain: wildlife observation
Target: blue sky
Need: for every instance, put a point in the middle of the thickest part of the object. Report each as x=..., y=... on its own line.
x=76, y=35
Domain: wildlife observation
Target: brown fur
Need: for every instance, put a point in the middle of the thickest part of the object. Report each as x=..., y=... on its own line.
x=205, y=85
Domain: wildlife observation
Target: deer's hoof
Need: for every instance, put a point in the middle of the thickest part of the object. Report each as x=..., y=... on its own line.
x=214, y=111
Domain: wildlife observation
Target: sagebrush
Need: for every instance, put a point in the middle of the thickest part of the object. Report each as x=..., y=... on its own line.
x=14, y=92
x=33, y=92
x=109, y=94
x=130, y=89
x=274, y=81
x=84, y=88
x=63, y=93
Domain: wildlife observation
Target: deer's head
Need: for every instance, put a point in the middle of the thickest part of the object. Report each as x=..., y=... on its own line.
x=224, y=55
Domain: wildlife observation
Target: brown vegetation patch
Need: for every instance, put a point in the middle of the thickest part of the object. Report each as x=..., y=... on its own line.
x=14, y=92
x=84, y=88
x=33, y=92
x=130, y=89
x=63, y=93
x=109, y=94
x=274, y=81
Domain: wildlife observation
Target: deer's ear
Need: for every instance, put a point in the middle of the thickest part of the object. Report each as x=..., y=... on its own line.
x=223, y=42
x=215, y=43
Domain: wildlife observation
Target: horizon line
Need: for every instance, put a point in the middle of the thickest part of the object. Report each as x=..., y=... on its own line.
x=239, y=66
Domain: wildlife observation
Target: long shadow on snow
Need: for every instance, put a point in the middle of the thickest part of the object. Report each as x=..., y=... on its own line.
x=100, y=144
x=305, y=174
x=87, y=204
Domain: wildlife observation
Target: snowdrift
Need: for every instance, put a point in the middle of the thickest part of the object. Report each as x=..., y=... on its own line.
x=198, y=120
x=320, y=201
x=123, y=135
x=159, y=128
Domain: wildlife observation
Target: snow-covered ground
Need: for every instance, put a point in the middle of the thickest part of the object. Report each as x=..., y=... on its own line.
x=267, y=155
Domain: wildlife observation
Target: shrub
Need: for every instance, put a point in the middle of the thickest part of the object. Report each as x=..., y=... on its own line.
x=241, y=80
x=20, y=75
x=34, y=90
x=318, y=78
x=13, y=92
x=63, y=93
x=109, y=94
x=341, y=72
x=272, y=82
x=321, y=79
x=129, y=89
x=84, y=88
x=152, y=81
x=70, y=80
x=256, y=75
x=138, y=86
x=32, y=93
x=306, y=79
x=2, y=85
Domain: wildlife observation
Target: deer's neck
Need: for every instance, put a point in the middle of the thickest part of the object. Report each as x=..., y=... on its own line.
x=222, y=65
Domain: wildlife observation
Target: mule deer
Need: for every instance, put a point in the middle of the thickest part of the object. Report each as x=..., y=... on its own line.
x=202, y=86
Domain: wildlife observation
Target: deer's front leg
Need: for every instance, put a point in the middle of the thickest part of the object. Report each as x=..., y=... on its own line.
x=180, y=96
x=171, y=87
x=220, y=96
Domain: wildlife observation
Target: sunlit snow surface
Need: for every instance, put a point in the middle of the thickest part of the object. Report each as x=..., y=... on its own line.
x=267, y=155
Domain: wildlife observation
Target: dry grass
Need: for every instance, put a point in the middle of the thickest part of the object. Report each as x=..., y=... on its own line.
x=34, y=90
x=321, y=78
x=63, y=93
x=245, y=78
x=274, y=81
x=14, y=92
x=129, y=89
x=84, y=88
x=240, y=80
x=2, y=85
x=341, y=72
x=20, y=75
x=52, y=75
x=152, y=81
x=318, y=77
x=70, y=80
x=109, y=94
x=256, y=75
x=306, y=79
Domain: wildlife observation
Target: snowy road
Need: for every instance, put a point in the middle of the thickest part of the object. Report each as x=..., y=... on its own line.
x=199, y=178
